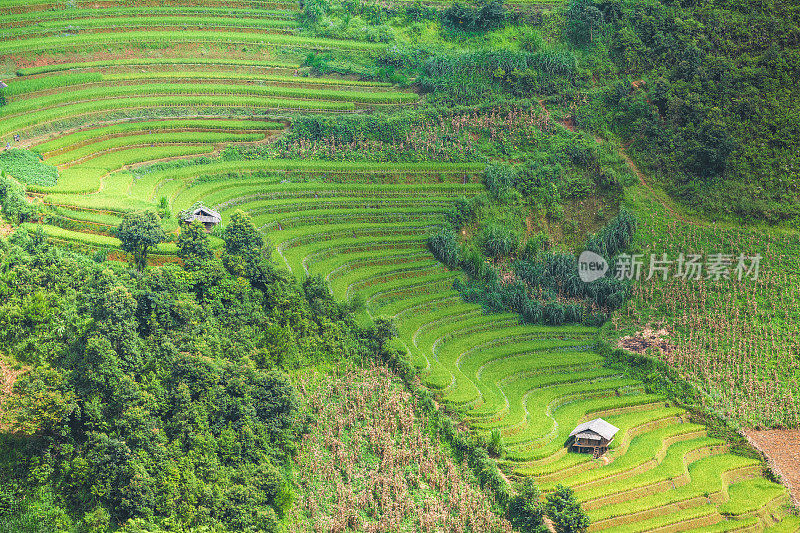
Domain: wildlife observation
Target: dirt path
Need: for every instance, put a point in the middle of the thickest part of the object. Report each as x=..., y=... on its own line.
x=782, y=448
x=653, y=193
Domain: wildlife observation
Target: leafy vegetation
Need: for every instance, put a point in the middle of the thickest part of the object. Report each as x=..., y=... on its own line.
x=145, y=391
x=27, y=167
x=138, y=232
x=207, y=388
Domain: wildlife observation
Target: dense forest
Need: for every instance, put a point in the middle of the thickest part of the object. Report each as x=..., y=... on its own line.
x=159, y=395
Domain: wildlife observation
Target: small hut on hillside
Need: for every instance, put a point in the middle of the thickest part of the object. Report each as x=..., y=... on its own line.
x=593, y=436
x=208, y=217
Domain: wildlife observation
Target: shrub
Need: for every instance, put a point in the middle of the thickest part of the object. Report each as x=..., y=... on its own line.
x=525, y=511
x=483, y=17
x=495, y=446
x=461, y=212
x=565, y=511
x=499, y=240
x=498, y=177
x=445, y=247
x=13, y=201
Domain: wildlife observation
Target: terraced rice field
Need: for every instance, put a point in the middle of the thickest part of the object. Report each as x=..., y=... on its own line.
x=533, y=383
x=101, y=117
x=76, y=65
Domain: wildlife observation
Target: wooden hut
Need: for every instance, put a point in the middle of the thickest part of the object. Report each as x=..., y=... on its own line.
x=208, y=217
x=593, y=437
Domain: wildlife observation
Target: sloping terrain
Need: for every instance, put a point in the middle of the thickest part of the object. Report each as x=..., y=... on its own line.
x=101, y=92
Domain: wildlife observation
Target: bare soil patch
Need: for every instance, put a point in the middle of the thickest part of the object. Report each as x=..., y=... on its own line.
x=782, y=448
x=8, y=377
x=5, y=231
x=647, y=338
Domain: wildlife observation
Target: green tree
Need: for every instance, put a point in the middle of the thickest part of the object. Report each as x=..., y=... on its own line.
x=565, y=511
x=241, y=235
x=41, y=402
x=193, y=246
x=525, y=511
x=584, y=21
x=383, y=331
x=139, y=232
x=314, y=10
x=244, y=245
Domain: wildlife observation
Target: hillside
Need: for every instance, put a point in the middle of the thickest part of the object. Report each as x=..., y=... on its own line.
x=403, y=191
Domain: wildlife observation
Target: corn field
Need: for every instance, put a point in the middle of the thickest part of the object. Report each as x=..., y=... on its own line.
x=369, y=465
x=739, y=340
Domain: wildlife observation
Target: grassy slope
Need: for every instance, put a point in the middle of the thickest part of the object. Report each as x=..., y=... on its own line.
x=532, y=384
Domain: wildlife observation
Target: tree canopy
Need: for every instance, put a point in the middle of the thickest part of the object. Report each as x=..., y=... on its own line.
x=139, y=232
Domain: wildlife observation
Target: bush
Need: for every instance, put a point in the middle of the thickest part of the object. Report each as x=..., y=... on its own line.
x=497, y=177
x=461, y=212
x=495, y=446
x=483, y=17
x=499, y=240
x=445, y=247
x=525, y=511
x=13, y=201
x=565, y=511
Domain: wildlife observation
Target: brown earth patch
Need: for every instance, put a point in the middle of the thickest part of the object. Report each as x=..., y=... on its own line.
x=8, y=377
x=782, y=448
x=647, y=338
x=6, y=229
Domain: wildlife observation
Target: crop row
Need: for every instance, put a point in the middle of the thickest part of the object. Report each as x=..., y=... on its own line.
x=35, y=118
x=226, y=194
x=103, y=92
x=150, y=139
x=338, y=167
x=42, y=5
x=161, y=62
x=130, y=128
x=129, y=39
x=294, y=206
x=75, y=81
x=78, y=14
x=245, y=77
x=87, y=178
x=91, y=239
x=139, y=21
x=338, y=218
